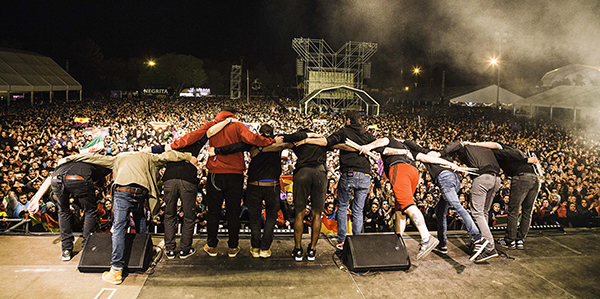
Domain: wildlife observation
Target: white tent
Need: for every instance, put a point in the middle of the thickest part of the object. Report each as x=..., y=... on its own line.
x=487, y=96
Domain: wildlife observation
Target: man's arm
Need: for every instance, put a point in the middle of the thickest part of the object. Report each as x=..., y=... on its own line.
x=488, y=144
x=430, y=159
x=229, y=149
x=105, y=161
x=190, y=137
x=375, y=144
x=174, y=156
x=314, y=141
x=251, y=138
x=219, y=126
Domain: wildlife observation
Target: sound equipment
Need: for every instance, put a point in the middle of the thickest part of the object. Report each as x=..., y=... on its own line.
x=96, y=255
x=375, y=252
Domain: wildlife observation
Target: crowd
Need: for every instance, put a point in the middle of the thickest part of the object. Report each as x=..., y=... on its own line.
x=33, y=139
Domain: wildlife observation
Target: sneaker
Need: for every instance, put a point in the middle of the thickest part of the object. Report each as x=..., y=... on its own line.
x=232, y=252
x=441, y=249
x=170, y=254
x=66, y=255
x=212, y=251
x=113, y=276
x=486, y=255
x=507, y=244
x=297, y=254
x=255, y=252
x=183, y=254
x=477, y=248
x=265, y=253
x=340, y=246
x=311, y=253
x=520, y=245
x=426, y=247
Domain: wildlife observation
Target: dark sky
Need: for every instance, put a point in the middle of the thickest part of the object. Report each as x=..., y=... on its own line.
x=460, y=35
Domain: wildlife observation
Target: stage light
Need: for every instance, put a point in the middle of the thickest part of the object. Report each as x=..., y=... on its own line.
x=151, y=63
x=406, y=88
x=494, y=61
x=416, y=71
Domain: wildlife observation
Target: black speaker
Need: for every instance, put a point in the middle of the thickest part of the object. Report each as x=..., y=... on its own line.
x=375, y=252
x=96, y=255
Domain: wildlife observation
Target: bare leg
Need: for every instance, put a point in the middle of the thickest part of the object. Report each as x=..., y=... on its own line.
x=419, y=221
x=298, y=228
x=316, y=229
x=400, y=223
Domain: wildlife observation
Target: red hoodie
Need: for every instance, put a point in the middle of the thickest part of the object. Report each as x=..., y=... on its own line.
x=232, y=133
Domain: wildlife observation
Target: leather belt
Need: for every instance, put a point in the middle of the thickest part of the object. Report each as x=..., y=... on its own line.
x=74, y=177
x=130, y=190
x=266, y=184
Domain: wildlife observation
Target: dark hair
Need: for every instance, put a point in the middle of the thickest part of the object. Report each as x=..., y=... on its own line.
x=266, y=130
x=229, y=109
x=353, y=116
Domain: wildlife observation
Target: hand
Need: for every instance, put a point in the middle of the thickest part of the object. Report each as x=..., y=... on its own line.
x=279, y=139
x=211, y=151
x=454, y=166
x=168, y=148
x=299, y=143
x=363, y=149
x=194, y=161
x=533, y=160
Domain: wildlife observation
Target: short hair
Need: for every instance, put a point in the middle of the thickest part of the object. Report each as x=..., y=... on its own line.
x=266, y=130
x=353, y=116
x=229, y=109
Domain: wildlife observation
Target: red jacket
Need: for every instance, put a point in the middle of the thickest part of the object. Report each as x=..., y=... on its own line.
x=232, y=133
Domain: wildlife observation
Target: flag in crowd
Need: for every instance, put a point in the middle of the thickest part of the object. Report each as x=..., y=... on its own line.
x=94, y=145
x=81, y=122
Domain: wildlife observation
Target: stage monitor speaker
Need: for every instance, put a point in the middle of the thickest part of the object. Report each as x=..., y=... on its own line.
x=375, y=252
x=96, y=255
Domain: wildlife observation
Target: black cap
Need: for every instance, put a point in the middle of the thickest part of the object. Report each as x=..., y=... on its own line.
x=230, y=109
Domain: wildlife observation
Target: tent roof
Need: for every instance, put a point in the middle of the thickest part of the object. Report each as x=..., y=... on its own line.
x=487, y=96
x=566, y=97
x=591, y=74
x=22, y=71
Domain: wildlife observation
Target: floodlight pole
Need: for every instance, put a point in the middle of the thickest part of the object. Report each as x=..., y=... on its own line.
x=247, y=87
x=498, y=87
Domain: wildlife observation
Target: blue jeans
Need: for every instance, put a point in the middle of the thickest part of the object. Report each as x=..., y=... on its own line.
x=450, y=186
x=123, y=201
x=359, y=183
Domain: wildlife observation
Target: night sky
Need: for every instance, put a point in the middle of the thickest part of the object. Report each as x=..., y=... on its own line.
x=458, y=36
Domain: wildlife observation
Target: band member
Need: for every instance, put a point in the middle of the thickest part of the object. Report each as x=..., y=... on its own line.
x=484, y=188
x=355, y=175
x=399, y=165
x=524, y=188
x=449, y=184
x=135, y=180
x=76, y=179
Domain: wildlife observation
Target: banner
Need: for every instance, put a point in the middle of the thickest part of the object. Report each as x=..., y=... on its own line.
x=94, y=145
x=81, y=122
x=104, y=131
x=159, y=125
x=286, y=182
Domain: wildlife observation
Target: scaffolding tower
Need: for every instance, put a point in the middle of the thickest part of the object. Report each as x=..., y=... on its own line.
x=321, y=68
x=235, y=89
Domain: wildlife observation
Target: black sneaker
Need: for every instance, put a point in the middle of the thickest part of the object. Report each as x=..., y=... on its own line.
x=477, y=248
x=311, y=253
x=297, y=254
x=441, y=249
x=183, y=254
x=507, y=244
x=486, y=255
x=170, y=254
x=520, y=245
x=66, y=255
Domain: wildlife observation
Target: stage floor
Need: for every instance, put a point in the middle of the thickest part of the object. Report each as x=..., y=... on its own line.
x=553, y=265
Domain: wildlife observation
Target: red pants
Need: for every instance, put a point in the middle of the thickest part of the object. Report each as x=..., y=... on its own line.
x=404, y=179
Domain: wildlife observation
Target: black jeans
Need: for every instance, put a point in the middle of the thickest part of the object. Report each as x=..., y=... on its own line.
x=228, y=187
x=254, y=198
x=523, y=192
x=176, y=189
x=83, y=191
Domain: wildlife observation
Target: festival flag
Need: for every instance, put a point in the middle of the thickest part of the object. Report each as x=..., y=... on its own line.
x=81, y=122
x=159, y=125
x=286, y=182
x=94, y=145
x=94, y=132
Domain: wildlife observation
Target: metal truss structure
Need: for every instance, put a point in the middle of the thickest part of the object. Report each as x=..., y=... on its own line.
x=322, y=68
x=235, y=89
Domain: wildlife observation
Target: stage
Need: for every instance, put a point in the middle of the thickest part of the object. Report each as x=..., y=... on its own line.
x=554, y=264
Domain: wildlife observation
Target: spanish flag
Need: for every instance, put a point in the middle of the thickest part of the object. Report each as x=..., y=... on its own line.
x=81, y=122
x=286, y=182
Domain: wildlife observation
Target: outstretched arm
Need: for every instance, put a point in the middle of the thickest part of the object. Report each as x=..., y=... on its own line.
x=375, y=144
x=316, y=141
x=219, y=126
x=431, y=159
x=490, y=145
